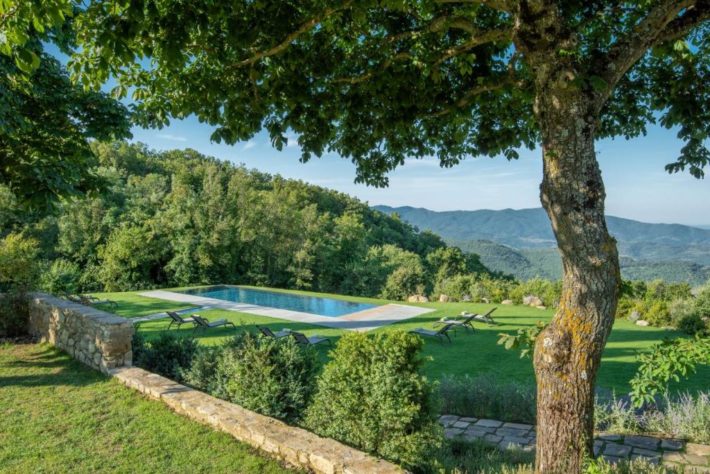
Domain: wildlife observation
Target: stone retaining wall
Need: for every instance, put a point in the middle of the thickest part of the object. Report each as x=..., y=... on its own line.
x=98, y=339
x=296, y=446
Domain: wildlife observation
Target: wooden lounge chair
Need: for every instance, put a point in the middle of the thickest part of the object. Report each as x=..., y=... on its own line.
x=439, y=334
x=309, y=341
x=178, y=320
x=202, y=323
x=269, y=333
x=467, y=320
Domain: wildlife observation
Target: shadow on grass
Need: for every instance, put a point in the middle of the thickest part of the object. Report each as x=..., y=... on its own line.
x=64, y=370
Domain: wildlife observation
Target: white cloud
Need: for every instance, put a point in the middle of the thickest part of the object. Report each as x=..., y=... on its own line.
x=174, y=138
x=249, y=145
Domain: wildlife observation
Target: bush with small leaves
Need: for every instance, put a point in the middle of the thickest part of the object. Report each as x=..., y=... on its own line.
x=372, y=395
x=62, y=276
x=272, y=377
x=168, y=355
x=693, y=324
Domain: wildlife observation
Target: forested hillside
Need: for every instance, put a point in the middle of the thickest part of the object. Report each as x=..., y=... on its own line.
x=520, y=243
x=178, y=218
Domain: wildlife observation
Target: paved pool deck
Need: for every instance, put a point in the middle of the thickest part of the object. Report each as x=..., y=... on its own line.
x=361, y=321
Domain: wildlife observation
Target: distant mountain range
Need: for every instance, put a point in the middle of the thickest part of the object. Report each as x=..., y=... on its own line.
x=520, y=242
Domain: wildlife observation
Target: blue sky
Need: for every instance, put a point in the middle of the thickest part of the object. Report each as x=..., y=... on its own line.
x=637, y=185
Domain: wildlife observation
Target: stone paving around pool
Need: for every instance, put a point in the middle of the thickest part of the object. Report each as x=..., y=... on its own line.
x=611, y=447
x=362, y=321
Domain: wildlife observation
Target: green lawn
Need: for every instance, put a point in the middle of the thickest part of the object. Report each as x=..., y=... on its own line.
x=60, y=416
x=471, y=353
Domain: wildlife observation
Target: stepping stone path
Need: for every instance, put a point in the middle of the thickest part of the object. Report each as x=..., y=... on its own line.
x=611, y=447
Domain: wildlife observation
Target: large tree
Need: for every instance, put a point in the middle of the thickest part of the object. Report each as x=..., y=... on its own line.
x=382, y=81
x=46, y=121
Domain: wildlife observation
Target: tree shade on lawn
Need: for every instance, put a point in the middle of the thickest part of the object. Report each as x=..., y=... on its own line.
x=58, y=416
x=378, y=82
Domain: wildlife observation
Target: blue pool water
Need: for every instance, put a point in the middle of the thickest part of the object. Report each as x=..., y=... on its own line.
x=272, y=299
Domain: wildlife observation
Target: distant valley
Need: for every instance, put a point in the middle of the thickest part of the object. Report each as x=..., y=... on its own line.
x=520, y=242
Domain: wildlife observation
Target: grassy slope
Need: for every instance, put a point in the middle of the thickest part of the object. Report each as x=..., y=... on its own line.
x=472, y=354
x=59, y=416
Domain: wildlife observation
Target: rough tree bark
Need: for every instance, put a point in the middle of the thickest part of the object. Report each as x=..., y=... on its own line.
x=568, y=352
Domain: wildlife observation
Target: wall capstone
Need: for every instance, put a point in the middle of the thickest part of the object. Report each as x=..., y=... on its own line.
x=99, y=339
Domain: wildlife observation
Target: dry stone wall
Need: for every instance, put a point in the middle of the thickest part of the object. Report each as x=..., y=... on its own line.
x=296, y=446
x=98, y=339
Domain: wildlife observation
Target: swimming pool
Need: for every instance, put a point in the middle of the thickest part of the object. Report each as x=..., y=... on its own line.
x=272, y=299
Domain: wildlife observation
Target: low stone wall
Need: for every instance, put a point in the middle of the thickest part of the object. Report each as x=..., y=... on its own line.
x=296, y=446
x=98, y=339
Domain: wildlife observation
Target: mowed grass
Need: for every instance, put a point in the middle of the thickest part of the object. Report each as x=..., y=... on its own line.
x=471, y=353
x=60, y=416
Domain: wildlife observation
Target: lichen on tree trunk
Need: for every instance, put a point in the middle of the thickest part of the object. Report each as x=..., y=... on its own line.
x=568, y=352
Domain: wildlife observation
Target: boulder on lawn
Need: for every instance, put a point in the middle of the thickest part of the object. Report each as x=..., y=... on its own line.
x=531, y=300
x=506, y=302
x=418, y=299
x=641, y=322
x=634, y=316
x=542, y=306
x=444, y=299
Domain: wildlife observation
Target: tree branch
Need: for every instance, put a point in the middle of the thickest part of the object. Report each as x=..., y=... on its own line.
x=304, y=28
x=500, y=5
x=629, y=49
x=468, y=96
x=682, y=25
x=485, y=37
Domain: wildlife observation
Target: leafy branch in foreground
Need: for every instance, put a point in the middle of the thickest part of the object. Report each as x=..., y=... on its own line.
x=523, y=340
x=669, y=360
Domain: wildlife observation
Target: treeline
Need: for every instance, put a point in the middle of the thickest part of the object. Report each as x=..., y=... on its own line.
x=178, y=218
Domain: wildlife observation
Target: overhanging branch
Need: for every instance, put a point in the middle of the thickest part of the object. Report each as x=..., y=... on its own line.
x=304, y=28
x=629, y=49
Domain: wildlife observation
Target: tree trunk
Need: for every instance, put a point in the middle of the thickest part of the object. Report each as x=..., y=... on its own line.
x=568, y=352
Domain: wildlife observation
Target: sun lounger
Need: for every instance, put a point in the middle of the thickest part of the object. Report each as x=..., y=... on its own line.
x=178, y=320
x=467, y=320
x=309, y=341
x=202, y=323
x=269, y=333
x=439, y=334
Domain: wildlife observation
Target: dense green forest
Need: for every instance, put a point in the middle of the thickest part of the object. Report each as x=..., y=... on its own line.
x=177, y=218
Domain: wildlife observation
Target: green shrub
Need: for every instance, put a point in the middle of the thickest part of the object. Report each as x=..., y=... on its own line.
x=62, y=276
x=372, y=395
x=404, y=282
x=486, y=397
x=548, y=291
x=656, y=313
x=14, y=313
x=18, y=275
x=18, y=263
x=693, y=324
x=625, y=307
x=168, y=355
x=203, y=370
x=272, y=377
x=455, y=287
x=702, y=301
